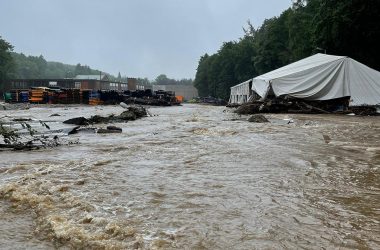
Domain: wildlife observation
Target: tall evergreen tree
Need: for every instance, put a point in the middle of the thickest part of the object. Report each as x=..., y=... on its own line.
x=349, y=28
x=6, y=62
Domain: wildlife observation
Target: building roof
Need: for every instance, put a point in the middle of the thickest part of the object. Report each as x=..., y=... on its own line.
x=91, y=77
x=242, y=84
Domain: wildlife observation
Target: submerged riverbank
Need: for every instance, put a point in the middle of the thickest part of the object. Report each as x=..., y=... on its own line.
x=196, y=177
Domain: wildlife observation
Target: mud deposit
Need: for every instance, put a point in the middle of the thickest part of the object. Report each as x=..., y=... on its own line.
x=195, y=177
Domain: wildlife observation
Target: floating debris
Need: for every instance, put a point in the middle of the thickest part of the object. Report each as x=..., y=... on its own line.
x=258, y=119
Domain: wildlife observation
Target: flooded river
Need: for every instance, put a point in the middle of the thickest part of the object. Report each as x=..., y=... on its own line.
x=196, y=177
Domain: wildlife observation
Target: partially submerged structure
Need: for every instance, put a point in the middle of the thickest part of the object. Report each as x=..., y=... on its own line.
x=241, y=93
x=320, y=78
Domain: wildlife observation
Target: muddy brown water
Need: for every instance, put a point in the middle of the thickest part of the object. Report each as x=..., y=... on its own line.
x=195, y=177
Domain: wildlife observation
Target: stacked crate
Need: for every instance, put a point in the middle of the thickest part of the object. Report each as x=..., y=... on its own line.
x=61, y=97
x=69, y=94
x=17, y=95
x=14, y=95
x=85, y=94
x=76, y=96
x=73, y=96
x=51, y=97
x=7, y=97
x=23, y=96
x=94, y=98
x=110, y=97
x=37, y=96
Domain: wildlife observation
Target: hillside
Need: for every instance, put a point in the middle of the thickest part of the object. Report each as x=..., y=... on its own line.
x=37, y=67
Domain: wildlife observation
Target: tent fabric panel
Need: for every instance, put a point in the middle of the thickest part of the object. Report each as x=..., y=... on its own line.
x=321, y=83
x=241, y=89
x=301, y=65
x=243, y=83
x=261, y=87
x=323, y=77
x=364, y=84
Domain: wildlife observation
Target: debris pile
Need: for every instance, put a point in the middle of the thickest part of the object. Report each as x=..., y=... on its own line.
x=364, y=110
x=25, y=134
x=209, y=100
x=25, y=138
x=149, y=97
x=132, y=113
x=258, y=119
x=292, y=105
x=109, y=130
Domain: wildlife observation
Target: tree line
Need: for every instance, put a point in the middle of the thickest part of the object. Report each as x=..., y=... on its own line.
x=162, y=79
x=6, y=62
x=36, y=67
x=19, y=66
x=348, y=28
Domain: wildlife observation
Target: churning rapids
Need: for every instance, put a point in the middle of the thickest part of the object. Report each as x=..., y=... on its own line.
x=195, y=177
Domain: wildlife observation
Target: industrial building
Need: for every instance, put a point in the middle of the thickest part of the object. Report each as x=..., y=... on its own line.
x=82, y=82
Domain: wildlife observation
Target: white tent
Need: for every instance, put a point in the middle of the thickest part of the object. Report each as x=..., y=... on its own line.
x=322, y=77
x=241, y=93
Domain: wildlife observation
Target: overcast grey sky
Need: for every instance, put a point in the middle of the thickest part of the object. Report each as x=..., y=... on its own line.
x=139, y=38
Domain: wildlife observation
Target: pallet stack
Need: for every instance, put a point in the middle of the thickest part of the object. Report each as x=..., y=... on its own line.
x=14, y=95
x=37, y=96
x=70, y=98
x=61, y=97
x=73, y=96
x=85, y=96
x=23, y=96
x=7, y=97
x=51, y=97
x=94, y=98
x=76, y=96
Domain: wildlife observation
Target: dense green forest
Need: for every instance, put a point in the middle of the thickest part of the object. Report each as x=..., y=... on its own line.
x=349, y=28
x=19, y=66
x=36, y=67
x=6, y=62
x=164, y=80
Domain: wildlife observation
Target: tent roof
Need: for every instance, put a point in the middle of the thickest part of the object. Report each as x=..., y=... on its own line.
x=301, y=65
x=323, y=77
x=243, y=83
